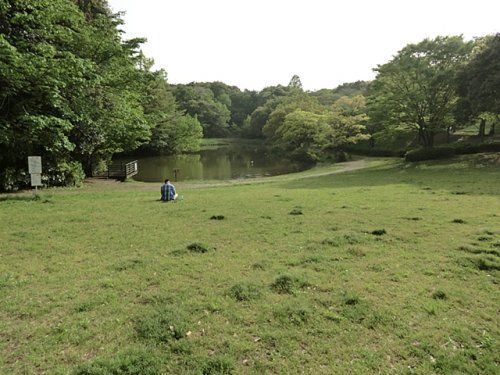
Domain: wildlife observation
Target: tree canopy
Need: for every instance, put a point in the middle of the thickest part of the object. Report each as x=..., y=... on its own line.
x=417, y=87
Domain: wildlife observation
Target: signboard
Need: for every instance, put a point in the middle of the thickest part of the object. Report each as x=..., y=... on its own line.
x=35, y=164
x=36, y=179
x=35, y=169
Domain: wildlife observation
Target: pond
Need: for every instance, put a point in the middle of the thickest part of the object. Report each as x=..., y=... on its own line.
x=227, y=160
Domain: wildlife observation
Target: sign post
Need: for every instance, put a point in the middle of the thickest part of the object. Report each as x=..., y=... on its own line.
x=35, y=170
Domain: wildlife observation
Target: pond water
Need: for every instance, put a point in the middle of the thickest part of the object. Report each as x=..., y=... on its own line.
x=229, y=161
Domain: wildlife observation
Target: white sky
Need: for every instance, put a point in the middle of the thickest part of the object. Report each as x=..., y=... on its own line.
x=258, y=43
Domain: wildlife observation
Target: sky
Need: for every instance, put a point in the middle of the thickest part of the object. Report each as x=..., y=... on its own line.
x=257, y=43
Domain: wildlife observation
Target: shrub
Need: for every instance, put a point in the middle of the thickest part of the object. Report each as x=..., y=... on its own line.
x=444, y=152
x=379, y=232
x=474, y=148
x=64, y=174
x=162, y=325
x=430, y=153
x=244, y=292
x=130, y=363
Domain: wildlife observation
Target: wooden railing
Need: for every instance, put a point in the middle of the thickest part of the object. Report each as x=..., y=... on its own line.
x=119, y=170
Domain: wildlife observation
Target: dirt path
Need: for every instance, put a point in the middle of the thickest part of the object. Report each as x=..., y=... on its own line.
x=343, y=167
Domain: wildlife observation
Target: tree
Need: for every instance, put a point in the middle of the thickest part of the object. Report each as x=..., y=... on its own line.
x=286, y=106
x=71, y=90
x=417, y=88
x=303, y=133
x=479, y=84
x=295, y=83
x=200, y=101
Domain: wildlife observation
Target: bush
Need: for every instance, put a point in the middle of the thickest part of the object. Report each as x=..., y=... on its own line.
x=12, y=179
x=430, y=153
x=376, y=152
x=474, y=148
x=444, y=152
x=65, y=174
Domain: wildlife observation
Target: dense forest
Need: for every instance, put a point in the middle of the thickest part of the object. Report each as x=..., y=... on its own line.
x=75, y=92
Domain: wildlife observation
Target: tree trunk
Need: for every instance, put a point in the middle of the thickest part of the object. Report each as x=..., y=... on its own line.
x=371, y=142
x=482, y=128
x=448, y=134
x=430, y=139
x=492, y=130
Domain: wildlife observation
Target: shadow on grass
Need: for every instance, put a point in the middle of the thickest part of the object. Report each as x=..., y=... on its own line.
x=20, y=198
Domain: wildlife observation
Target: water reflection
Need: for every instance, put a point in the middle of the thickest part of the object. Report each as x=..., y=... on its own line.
x=229, y=162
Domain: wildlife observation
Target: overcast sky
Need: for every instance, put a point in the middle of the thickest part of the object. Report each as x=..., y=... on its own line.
x=258, y=43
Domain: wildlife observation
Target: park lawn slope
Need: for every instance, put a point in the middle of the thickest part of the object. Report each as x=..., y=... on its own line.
x=390, y=269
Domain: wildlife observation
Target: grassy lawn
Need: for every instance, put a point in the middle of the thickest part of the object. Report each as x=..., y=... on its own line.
x=389, y=269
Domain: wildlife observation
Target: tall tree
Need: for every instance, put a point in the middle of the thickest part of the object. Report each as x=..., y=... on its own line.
x=417, y=87
x=479, y=83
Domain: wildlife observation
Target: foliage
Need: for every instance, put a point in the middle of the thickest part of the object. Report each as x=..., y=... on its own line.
x=74, y=92
x=329, y=96
x=479, y=81
x=201, y=102
x=417, y=87
x=305, y=128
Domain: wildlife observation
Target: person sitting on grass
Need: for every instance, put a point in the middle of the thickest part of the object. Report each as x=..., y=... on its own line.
x=168, y=192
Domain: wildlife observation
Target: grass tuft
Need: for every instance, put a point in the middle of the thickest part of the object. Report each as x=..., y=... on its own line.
x=163, y=325
x=378, y=232
x=130, y=363
x=439, y=294
x=458, y=221
x=197, y=247
x=295, y=211
x=293, y=315
x=217, y=366
x=245, y=291
x=217, y=217
x=285, y=284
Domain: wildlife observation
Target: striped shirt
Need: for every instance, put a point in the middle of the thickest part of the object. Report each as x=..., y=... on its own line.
x=167, y=192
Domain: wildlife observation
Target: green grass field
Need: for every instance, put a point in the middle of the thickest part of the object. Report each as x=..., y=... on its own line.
x=389, y=269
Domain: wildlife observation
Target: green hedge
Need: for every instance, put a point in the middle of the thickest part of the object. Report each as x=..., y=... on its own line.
x=429, y=153
x=444, y=152
x=376, y=152
x=474, y=148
